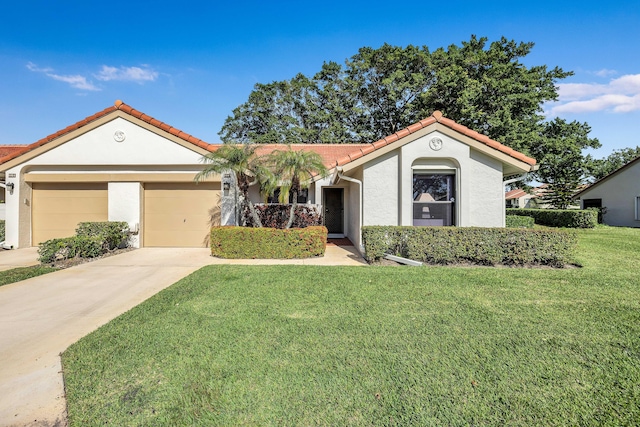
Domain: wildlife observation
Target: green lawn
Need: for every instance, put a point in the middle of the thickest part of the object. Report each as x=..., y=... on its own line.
x=374, y=346
x=23, y=273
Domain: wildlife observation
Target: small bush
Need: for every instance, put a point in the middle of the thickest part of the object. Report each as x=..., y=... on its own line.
x=269, y=243
x=1, y=230
x=568, y=218
x=277, y=216
x=115, y=234
x=70, y=247
x=481, y=246
x=92, y=240
x=516, y=221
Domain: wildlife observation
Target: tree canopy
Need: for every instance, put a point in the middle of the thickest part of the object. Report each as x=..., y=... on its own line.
x=377, y=92
x=484, y=86
x=599, y=168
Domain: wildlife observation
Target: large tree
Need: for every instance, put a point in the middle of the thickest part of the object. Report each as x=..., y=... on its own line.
x=482, y=85
x=599, y=168
x=562, y=164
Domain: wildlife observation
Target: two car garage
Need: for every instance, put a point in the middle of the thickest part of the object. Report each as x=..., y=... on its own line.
x=172, y=214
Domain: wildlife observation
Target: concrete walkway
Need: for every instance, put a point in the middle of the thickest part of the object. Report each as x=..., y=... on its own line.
x=18, y=258
x=42, y=316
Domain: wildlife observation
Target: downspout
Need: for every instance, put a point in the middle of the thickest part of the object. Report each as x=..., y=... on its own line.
x=361, y=216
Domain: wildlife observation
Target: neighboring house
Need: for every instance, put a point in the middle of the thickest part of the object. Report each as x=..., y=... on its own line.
x=121, y=164
x=618, y=193
x=519, y=198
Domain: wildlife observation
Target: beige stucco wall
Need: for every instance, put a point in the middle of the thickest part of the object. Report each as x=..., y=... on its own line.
x=141, y=153
x=618, y=194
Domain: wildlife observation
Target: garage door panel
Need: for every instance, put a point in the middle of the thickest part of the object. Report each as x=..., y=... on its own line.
x=178, y=215
x=58, y=208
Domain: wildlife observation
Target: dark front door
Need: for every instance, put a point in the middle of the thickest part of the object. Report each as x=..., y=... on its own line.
x=333, y=210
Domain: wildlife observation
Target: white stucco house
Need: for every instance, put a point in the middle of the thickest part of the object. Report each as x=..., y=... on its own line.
x=123, y=165
x=619, y=193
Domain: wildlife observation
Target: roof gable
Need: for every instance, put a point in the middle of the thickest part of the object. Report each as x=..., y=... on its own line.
x=440, y=123
x=119, y=109
x=616, y=172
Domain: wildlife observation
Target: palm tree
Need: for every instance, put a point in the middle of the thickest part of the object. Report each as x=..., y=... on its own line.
x=243, y=163
x=295, y=169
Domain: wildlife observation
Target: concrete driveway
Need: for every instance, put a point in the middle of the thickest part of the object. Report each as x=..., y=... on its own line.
x=18, y=258
x=42, y=316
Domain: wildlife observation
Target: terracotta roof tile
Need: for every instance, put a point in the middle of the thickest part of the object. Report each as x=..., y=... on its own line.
x=391, y=138
x=7, y=150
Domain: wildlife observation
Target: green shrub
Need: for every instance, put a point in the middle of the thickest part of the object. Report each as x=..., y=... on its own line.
x=481, y=246
x=569, y=218
x=251, y=243
x=1, y=230
x=70, y=247
x=115, y=234
x=516, y=221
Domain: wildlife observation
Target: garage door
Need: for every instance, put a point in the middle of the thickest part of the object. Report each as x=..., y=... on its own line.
x=57, y=208
x=179, y=214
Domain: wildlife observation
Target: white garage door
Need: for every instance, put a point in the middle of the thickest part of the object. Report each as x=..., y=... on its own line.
x=57, y=208
x=179, y=214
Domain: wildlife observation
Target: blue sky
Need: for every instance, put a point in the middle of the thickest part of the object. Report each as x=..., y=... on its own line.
x=190, y=63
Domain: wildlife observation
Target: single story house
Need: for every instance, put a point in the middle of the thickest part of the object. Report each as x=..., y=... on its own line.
x=123, y=165
x=518, y=198
x=619, y=193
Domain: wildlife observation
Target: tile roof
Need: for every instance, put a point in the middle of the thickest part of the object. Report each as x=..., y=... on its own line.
x=6, y=150
x=328, y=152
x=516, y=194
x=332, y=154
x=118, y=105
x=436, y=117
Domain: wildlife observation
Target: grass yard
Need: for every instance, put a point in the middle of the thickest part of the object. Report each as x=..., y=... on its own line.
x=374, y=346
x=23, y=273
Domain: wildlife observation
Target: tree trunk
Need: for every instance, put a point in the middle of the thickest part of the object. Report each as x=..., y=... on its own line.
x=254, y=213
x=292, y=212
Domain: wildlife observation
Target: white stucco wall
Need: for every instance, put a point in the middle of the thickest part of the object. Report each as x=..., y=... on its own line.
x=125, y=204
x=381, y=196
x=618, y=194
x=485, y=192
x=98, y=147
x=388, y=183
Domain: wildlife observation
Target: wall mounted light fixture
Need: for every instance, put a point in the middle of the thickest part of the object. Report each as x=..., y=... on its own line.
x=10, y=186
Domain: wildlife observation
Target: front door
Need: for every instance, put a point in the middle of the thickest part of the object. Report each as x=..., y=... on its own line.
x=333, y=202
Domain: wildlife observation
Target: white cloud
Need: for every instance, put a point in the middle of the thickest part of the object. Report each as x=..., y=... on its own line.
x=605, y=73
x=76, y=81
x=131, y=74
x=621, y=95
x=106, y=74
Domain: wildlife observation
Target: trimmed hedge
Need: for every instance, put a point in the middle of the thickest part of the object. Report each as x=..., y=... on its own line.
x=567, y=218
x=1, y=230
x=481, y=246
x=92, y=239
x=515, y=221
x=268, y=243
